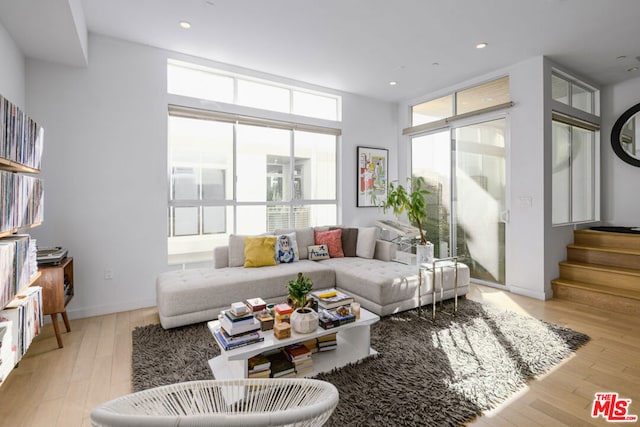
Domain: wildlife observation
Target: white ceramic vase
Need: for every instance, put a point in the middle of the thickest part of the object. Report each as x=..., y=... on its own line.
x=424, y=253
x=304, y=320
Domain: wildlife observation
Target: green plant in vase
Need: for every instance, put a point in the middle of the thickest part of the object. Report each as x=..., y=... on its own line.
x=299, y=289
x=304, y=320
x=410, y=200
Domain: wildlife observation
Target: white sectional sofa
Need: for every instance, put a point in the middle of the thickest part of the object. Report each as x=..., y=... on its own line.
x=369, y=275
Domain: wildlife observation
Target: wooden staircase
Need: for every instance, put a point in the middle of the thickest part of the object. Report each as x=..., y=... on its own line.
x=602, y=270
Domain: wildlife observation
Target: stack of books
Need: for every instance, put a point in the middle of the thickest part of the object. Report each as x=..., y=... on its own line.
x=330, y=318
x=300, y=355
x=331, y=298
x=327, y=342
x=236, y=324
x=281, y=366
x=229, y=342
x=259, y=366
x=237, y=330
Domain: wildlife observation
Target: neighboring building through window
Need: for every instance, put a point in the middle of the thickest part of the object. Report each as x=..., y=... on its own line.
x=247, y=175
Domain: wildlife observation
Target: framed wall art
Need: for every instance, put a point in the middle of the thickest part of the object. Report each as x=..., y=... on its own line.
x=372, y=176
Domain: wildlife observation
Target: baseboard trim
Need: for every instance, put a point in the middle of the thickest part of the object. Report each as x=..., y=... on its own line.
x=100, y=310
x=543, y=296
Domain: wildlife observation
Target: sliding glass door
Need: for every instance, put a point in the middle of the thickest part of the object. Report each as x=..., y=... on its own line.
x=465, y=169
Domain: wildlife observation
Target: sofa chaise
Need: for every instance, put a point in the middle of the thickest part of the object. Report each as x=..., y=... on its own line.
x=364, y=270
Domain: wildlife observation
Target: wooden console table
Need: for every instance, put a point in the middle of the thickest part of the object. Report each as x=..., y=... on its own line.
x=57, y=290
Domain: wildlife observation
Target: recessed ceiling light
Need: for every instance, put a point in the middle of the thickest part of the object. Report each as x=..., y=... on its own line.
x=634, y=69
x=393, y=83
x=481, y=45
x=184, y=24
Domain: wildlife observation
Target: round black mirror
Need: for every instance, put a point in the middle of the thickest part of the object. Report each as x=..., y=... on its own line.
x=625, y=136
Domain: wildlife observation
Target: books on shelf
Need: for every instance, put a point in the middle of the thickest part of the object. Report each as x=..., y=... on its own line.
x=281, y=366
x=21, y=138
x=327, y=342
x=26, y=317
x=259, y=366
x=17, y=265
x=332, y=298
x=7, y=349
x=21, y=200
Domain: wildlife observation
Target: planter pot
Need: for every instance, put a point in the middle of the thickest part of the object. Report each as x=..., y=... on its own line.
x=304, y=320
x=424, y=253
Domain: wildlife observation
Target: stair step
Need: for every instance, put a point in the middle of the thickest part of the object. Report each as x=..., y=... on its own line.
x=626, y=293
x=602, y=275
x=606, y=239
x=615, y=257
x=619, y=300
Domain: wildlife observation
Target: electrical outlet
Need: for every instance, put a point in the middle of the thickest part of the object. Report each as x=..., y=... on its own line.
x=108, y=273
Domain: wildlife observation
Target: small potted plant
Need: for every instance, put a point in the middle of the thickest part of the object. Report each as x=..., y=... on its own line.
x=303, y=319
x=412, y=201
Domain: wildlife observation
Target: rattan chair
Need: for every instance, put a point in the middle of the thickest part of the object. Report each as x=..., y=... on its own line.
x=243, y=402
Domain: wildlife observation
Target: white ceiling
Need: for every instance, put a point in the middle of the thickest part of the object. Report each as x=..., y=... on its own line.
x=352, y=45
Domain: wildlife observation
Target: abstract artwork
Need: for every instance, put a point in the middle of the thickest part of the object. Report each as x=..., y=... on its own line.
x=372, y=176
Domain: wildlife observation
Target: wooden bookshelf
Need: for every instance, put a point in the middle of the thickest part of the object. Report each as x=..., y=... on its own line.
x=12, y=166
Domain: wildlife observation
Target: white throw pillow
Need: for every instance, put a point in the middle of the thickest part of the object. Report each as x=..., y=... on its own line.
x=366, y=245
x=287, y=248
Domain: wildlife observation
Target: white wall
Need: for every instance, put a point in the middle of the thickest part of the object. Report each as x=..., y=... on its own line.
x=11, y=70
x=368, y=123
x=620, y=201
x=105, y=174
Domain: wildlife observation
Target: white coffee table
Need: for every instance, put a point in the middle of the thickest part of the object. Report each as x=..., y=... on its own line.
x=353, y=345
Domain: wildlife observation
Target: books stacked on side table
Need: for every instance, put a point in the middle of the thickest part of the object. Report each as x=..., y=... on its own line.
x=237, y=328
x=327, y=342
x=259, y=366
x=300, y=355
x=331, y=298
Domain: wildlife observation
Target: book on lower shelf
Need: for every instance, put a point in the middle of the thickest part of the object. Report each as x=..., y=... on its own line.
x=331, y=298
x=327, y=342
x=281, y=366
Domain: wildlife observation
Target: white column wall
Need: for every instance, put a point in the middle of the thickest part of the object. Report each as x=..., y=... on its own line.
x=12, y=70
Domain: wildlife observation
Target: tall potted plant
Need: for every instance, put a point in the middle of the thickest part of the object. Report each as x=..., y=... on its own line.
x=411, y=199
x=303, y=319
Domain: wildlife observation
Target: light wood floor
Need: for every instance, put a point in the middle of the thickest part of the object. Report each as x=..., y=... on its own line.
x=59, y=387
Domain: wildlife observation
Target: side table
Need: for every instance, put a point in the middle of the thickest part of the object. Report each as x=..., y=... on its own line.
x=57, y=290
x=438, y=264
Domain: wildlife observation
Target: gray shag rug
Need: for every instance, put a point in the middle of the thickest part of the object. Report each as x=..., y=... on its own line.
x=428, y=373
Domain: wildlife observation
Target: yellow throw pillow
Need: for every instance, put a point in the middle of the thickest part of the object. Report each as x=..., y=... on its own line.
x=259, y=251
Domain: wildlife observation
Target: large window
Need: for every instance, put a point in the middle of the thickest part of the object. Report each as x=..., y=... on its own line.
x=574, y=150
x=573, y=160
x=236, y=177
